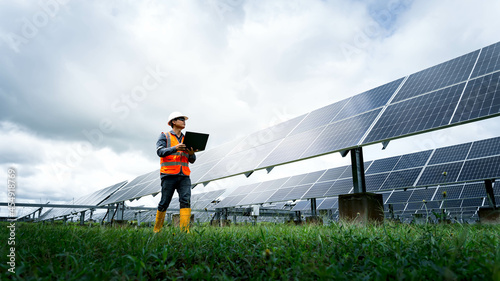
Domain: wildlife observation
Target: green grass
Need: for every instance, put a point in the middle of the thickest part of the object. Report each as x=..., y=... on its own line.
x=266, y=252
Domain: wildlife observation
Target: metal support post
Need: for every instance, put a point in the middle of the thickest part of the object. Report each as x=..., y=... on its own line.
x=313, y=207
x=82, y=217
x=488, y=184
x=358, y=170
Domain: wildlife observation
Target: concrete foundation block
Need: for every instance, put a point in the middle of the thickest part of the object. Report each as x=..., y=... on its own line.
x=361, y=207
x=489, y=215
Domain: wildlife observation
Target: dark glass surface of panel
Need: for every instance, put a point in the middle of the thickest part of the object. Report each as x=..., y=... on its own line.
x=383, y=165
x=312, y=177
x=374, y=182
x=333, y=173
x=489, y=60
x=488, y=147
x=342, y=134
x=318, y=190
x=473, y=190
x=413, y=160
x=451, y=204
x=482, y=168
x=438, y=76
x=342, y=186
x=328, y=203
x=450, y=153
x=399, y=197
x=419, y=195
x=402, y=178
x=481, y=99
x=290, y=148
x=280, y=194
x=298, y=191
x=319, y=117
x=294, y=180
x=452, y=192
x=369, y=100
x=435, y=174
x=416, y=115
x=476, y=202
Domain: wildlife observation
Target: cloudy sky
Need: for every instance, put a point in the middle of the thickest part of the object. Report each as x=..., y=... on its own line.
x=87, y=86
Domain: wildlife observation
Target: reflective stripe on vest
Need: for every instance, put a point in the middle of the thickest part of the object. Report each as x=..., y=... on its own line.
x=176, y=162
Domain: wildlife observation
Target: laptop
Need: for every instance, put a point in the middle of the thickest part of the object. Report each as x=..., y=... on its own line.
x=198, y=141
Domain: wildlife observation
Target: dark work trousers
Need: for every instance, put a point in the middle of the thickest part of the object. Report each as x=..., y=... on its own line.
x=171, y=183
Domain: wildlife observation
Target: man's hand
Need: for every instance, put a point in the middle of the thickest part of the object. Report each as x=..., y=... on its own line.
x=181, y=147
x=190, y=151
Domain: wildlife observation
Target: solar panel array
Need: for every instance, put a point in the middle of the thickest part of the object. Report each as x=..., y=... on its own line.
x=144, y=184
x=454, y=164
x=91, y=199
x=458, y=91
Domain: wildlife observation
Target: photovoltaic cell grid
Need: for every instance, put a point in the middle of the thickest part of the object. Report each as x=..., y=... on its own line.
x=439, y=76
x=419, y=114
x=389, y=174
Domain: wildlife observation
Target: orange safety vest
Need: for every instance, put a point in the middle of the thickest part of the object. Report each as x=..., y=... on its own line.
x=175, y=162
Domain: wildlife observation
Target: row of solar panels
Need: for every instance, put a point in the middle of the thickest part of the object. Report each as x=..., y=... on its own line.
x=461, y=90
x=459, y=163
x=94, y=198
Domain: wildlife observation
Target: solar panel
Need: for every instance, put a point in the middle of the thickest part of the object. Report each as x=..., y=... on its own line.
x=474, y=202
x=452, y=192
x=438, y=76
x=375, y=182
x=401, y=178
x=302, y=205
x=318, y=189
x=450, y=154
x=488, y=147
x=434, y=174
x=333, y=173
x=416, y=115
x=280, y=194
x=294, y=180
x=328, y=203
x=297, y=192
x=369, y=100
x=342, y=186
x=419, y=195
x=383, y=165
x=473, y=190
x=399, y=197
x=312, y=177
x=489, y=60
x=237, y=163
x=481, y=98
x=290, y=148
x=320, y=117
x=341, y=135
x=417, y=159
x=483, y=168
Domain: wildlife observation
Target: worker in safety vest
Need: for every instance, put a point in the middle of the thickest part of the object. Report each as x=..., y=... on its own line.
x=174, y=159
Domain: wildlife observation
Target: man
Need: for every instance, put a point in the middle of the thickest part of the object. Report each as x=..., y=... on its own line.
x=174, y=159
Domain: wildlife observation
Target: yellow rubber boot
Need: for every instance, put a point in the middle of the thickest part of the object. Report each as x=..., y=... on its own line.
x=185, y=217
x=160, y=218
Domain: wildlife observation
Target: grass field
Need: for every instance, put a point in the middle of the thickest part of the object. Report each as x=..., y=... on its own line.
x=263, y=252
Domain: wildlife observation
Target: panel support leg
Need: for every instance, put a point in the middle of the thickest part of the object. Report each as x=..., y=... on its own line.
x=358, y=170
x=488, y=184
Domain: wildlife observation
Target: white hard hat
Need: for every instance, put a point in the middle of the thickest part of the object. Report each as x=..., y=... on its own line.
x=175, y=114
